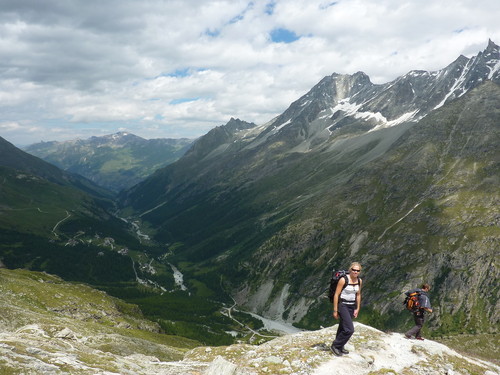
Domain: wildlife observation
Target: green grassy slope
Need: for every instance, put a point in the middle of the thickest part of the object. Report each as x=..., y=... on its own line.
x=37, y=308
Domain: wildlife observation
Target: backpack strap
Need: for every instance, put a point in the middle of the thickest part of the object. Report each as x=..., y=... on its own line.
x=358, y=283
x=346, y=278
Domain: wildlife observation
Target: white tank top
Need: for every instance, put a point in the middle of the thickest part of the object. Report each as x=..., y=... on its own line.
x=349, y=293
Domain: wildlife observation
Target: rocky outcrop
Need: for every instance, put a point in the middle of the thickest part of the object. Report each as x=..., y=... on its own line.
x=371, y=352
x=34, y=350
x=37, y=336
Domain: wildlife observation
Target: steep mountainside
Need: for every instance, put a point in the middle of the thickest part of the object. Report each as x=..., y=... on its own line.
x=115, y=161
x=402, y=177
x=12, y=157
x=55, y=221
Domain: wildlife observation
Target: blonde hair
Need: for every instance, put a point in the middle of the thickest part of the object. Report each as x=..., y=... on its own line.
x=353, y=264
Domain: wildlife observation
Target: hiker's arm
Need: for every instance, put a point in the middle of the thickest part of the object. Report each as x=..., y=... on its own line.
x=358, y=300
x=426, y=304
x=336, y=296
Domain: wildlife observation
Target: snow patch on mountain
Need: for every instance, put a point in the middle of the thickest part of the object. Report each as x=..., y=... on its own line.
x=457, y=85
x=370, y=115
x=494, y=69
x=279, y=127
x=346, y=106
x=405, y=117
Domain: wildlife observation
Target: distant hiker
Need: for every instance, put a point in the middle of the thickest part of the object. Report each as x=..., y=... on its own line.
x=346, y=305
x=424, y=305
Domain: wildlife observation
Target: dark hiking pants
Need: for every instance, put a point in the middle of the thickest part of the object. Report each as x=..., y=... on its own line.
x=346, y=327
x=419, y=322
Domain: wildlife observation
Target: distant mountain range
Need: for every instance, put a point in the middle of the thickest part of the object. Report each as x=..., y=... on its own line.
x=115, y=161
x=403, y=177
x=14, y=158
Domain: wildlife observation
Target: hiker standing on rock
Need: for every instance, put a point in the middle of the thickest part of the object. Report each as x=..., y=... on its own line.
x=346, y=305
x=424, y=305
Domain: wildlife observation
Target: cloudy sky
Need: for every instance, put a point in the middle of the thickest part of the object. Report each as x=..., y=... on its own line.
x=177, y=68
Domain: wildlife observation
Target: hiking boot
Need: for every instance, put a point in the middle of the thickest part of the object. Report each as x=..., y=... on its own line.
x=419, y=338
x=344, y=351
x=336, y=351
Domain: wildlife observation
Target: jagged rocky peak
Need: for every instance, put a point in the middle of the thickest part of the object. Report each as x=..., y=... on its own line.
x=349, y=85
x=236, y=125
x=341, y=86
x=492, y=50
x=353, y=103
x=217, y=137
x=487, y=63
x=333, y=93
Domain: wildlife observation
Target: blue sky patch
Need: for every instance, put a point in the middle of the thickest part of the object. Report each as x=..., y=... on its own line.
x=179, y=73
x=270, y=8
x=325, y=6
x=183, y=100
x=236, y=19
x=283, y=36
x=213, y=33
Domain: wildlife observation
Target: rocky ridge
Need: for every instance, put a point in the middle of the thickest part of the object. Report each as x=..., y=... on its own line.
x=371, y=352
x=49, y=326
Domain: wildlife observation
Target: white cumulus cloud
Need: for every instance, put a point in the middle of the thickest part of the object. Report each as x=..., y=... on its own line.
x=177, y=68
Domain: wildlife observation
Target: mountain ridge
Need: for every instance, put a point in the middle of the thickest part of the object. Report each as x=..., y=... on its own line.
x=307, y=191
x=259, y=215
